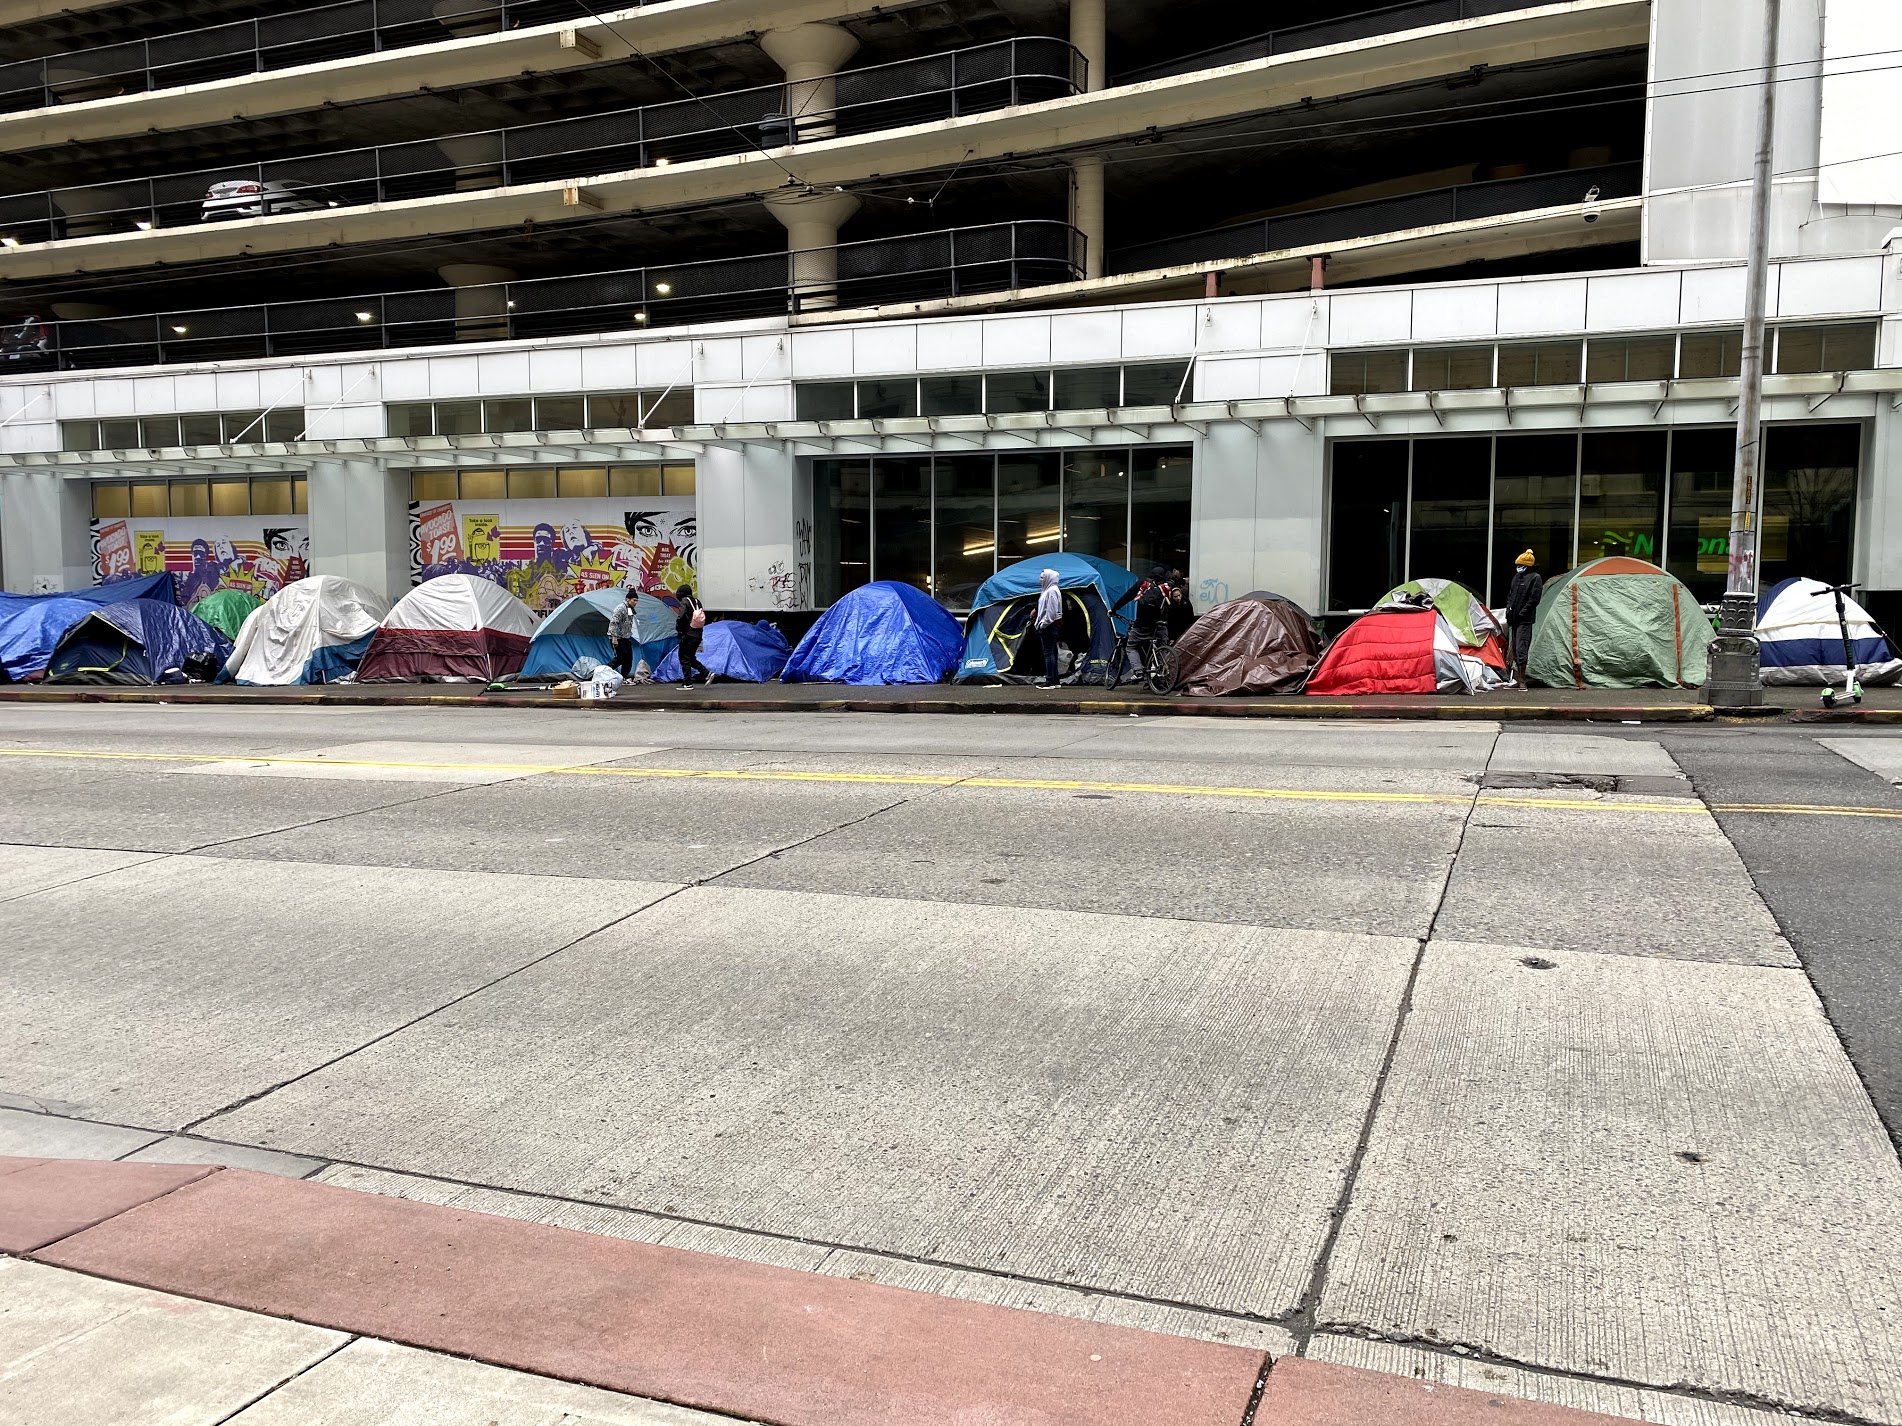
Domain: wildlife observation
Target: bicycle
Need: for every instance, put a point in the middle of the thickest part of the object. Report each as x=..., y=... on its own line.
x=1157, y=652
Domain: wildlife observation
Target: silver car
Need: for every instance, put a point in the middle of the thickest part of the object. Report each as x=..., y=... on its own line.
x=260, y=198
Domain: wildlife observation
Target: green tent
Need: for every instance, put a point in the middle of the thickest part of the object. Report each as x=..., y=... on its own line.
x=1619, y=623
x=226, y=610
x=1464, y=610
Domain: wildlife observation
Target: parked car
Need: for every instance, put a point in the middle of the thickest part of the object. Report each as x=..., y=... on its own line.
x=259, y=198
x=25, y=342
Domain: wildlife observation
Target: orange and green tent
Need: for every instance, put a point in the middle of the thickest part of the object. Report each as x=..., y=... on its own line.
x=1619, y=623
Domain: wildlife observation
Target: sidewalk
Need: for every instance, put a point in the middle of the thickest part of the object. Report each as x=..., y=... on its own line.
x=192, y=1293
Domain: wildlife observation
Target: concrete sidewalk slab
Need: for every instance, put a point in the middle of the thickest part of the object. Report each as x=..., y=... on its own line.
x=475, y=764
x=372, y=1383
x=75, y=1349
x=52, y=1137
x=695, y=1330
x=1664, y=1172
x=1881, y=756
x=1086, y=1100
x=49, y=1199
x=176, y=1150
x=1308, y=1393
x=25, y=869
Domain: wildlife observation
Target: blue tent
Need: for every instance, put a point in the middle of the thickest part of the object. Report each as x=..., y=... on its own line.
x=138, y=641
x=998, y=642
x=1800, y=637
x=749, y=653
x=879, y=633
x=31, y=624
x=578, y=628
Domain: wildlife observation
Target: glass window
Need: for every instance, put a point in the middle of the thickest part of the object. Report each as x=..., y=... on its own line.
x=483, y=485
x=1703, y=469
x=246, y=426
x=679, y=480
x=1452, y=487
x=669, y=408
x=1367, y=373
x=1029, y=513
x=1710, y=354
x=271, y=496
x=1630, y=358
x=951, y=395
x=615, y=410
x=191, y=497
x=1159, y=491
x=533, y=483
x=79, y=435
x=1809, y=497
x=823, y=401
x=1621, y=495
x=111, y=501
x=410, y=419
x=1367, y=522
x=841, y=527
x=458, y=418
x=581, y=482
x=1812, y=349
x=1541, y=364
x=118, y=435
x=1535, y=483
x=300, y=495
x=896, y=396
x=1088, y=388
x=901, y=520
x=1008, y=391
x=201, y=430
x=1155, y=383
x=1453, y=369
x=432, y=485
x=158, y=431
x=149, y=500
x=514, y=414
x=561, y=413
x=231, y=497
x=634, y=480
x=286, y=423
x=965, y=494
x=1096, y=505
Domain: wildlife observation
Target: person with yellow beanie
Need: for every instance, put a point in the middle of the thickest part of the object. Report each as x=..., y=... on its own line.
x=1522, y=607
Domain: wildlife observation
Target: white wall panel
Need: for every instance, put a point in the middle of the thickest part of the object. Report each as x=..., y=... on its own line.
x=1294, y=323
x=1635, y=301
x=653, y=366
x=1371, y=318
x=1857, y=146
x=765, y=358
x=73, y=400
x=950, y=346
x=820, y=355
x=883, y=350
x=240, y=390
x=1295, y=374
x=609, y=369
x=1227, y=378
x=117, y=398
x=19, y=436
x=452, y=378
x=719, y=359
x=1443, y=314
x=1016, y=341
x=1825, y=288
x=1158, y=332
x=721, y=567
x=502, y=373
x=1086, y=337
x=1542, y=308
x=1712, y=294
x=154, y=395
x=406, y=380
x=558, y=369
x=1229, y=327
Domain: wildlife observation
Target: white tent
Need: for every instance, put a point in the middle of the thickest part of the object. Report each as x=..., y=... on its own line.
x=1802, y=640
x=311, y=631
x=453, y=627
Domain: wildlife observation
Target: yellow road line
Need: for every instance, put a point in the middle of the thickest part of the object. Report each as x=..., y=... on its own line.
x=1036, y=784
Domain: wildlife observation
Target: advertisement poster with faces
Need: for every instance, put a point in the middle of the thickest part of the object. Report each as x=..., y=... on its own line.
x=204, y=554
x=546, y=551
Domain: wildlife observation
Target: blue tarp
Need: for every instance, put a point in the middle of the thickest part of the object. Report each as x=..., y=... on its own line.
x=579, y=626
x=996, y=636
x=879, y=633
x=332, y=661
x=750, y=653
x=31, y=624
x=138, y=641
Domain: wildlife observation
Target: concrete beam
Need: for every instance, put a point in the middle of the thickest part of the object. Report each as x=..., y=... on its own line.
x=1436, y=52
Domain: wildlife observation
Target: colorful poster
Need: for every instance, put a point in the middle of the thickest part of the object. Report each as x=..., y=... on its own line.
x=546, y=551
x=206, y=553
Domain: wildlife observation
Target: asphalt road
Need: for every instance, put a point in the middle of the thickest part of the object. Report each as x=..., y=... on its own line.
x=1442, y=1047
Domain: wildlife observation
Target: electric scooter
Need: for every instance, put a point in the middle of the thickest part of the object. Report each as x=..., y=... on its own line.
x=1852, y=690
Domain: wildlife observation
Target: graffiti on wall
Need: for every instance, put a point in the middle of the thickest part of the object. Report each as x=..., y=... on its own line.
x=779, y=586
x=259, y=555
x=546, y=551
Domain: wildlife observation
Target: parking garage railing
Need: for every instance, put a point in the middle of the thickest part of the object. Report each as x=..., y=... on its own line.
x=915, y=267
x=1493, y=199
x=1364, y=25
x=886, y=96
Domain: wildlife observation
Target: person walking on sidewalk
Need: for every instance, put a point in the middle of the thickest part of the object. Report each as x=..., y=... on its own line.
x=1522, y=607
x=692, y=619
x=1049, y=620
x=621, y=636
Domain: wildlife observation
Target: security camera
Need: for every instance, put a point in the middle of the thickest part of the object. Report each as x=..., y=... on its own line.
x=1591, y=204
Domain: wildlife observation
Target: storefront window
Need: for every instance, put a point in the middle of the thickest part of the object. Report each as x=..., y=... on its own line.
x=581, y=482
x=1702, y=466
x=951, y=395
x=823, y=401
x=535, y=483
x=1809, y=486
x=1540, y=364
x=964, y=495
x=1008, y=391
x=901, y=520
x=1621, y=495
x=1451, y=481
x=1029, y=515
x=1452, y=368
x=1631, y=359
x=1367, y=373
x=1155, y=383
x=897, y=396
x=1368, y=525
x=1707, y=354
x=1160, y=490
x=1812, y=349
x=634, y=480
x=1088, y=388
x=1535, y=484
x=1096, y=505
x=842, y=527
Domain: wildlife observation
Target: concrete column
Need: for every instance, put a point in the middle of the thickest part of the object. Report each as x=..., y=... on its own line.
x=477, y=157
x=1089, y=32
x=812, y=224
x=45, y=532
x=811, y=56
x=359, y=524
x=1086, y=210
x=482, y=311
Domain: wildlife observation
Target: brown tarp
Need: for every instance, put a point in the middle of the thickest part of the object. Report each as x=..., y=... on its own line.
x=1255, y=644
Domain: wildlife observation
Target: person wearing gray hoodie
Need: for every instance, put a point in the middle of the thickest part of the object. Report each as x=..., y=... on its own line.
x=1049, y=620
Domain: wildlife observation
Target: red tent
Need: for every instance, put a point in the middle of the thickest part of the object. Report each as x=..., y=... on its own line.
x=1387, y=652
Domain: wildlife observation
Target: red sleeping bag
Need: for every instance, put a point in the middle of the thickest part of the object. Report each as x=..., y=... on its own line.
x=1390, y=652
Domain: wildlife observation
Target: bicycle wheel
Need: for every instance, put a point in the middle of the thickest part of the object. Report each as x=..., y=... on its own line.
x=1113, y=674
x=1161, y=668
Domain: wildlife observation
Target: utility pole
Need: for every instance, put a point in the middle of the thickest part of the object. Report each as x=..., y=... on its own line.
x=1736, y=674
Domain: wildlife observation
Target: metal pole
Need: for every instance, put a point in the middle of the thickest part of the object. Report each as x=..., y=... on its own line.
x=1736, y=676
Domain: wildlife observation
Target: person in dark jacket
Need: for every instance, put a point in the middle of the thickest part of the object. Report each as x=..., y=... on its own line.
x=1522, y=607
x=621, y=635
x=689, y=634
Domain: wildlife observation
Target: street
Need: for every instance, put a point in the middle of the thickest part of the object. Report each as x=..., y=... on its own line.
x=1562, y=1062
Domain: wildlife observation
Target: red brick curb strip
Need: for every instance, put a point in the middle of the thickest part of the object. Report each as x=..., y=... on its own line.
x=44, y=1200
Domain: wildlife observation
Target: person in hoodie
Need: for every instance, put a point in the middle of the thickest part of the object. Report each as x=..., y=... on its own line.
x=1049, y=621
x=1522, y=608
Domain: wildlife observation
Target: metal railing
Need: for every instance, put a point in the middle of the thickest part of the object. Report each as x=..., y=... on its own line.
x=1364, y=25
x=281, y=41
x=1492, y=199
x=916, y=267
x=968, y=81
